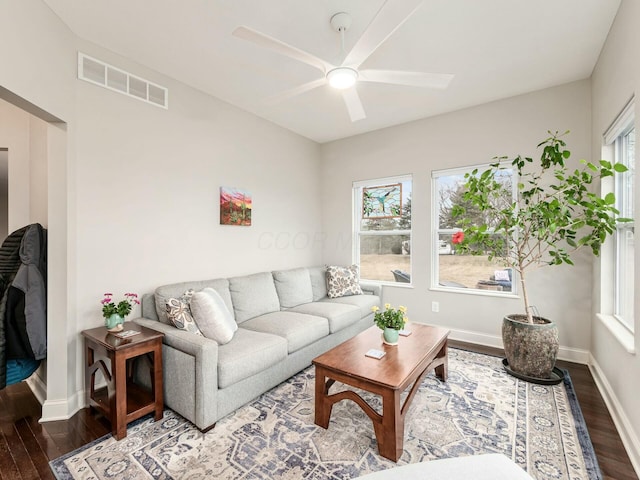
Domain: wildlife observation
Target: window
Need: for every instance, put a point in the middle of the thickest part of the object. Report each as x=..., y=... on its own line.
x=623, y=290
x=617, y=259
x=382, y=229
x=450, y=268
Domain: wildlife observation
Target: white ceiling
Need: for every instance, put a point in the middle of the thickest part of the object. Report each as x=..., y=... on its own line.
x=495, y=48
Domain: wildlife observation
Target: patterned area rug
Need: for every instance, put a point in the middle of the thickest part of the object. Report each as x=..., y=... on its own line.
x=480, y=409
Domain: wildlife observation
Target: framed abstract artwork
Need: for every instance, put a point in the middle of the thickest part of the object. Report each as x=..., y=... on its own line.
x=235, y=206
x=384, y=201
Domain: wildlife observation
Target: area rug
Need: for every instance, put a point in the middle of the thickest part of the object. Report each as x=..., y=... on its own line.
x=479, y=409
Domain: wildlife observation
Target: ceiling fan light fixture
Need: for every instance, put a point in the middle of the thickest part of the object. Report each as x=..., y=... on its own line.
x=342, y=77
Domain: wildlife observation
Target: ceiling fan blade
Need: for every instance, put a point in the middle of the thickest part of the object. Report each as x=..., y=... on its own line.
x=413, y=79
x=305, y=87
x=282, y=48
x=354, y=105
x=389, y=18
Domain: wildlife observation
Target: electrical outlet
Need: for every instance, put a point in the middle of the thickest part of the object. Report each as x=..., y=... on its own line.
x=435, y=307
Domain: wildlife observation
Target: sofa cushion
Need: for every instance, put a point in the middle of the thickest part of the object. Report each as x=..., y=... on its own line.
x=363, y=302
x=248, y=353
x=220, y=285
x=339, y=315
x=318, y=277
x=343, y=281
x=179, y=313
x=212, y=316
x=253, y=295
x=298, y=329
x=293, y=287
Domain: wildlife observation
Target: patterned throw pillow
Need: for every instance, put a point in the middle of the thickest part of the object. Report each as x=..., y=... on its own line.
x=343, y=281
x=179, y=313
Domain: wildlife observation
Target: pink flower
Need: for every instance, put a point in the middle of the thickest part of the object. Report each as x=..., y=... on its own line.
x=457, y=238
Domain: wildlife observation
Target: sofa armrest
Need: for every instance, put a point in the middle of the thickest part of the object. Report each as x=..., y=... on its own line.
x=194, y=392
x=371, y=289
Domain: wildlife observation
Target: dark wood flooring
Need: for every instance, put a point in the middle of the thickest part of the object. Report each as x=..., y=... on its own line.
x=26, y=446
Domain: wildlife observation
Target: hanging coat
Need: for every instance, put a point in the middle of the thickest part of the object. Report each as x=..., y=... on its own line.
x=23, y=305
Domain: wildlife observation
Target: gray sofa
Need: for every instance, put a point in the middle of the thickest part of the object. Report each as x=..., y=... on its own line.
x=285, y=319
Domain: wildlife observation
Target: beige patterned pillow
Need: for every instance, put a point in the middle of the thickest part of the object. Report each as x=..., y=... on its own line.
x=343, y=281
x=179, y=313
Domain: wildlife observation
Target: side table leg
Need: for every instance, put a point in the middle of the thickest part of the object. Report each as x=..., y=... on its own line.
x=119, y=414
x=156, y=378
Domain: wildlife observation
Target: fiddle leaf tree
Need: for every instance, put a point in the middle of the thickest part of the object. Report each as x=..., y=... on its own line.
x=554, y=212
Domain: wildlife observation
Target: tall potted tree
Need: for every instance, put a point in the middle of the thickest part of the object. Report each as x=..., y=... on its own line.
x=554, y=214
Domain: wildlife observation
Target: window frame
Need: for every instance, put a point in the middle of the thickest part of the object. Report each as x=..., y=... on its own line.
x=621, y=329
x=357, y=189
x=436, y=231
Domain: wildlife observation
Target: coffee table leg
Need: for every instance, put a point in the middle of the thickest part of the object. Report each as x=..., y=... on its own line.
x=442, y=369
x=390, y=433
x=323, y=408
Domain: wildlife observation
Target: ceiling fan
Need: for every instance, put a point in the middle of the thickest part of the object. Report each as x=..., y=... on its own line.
x=389, y=18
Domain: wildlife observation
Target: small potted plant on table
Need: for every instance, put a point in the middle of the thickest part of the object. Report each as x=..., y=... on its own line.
x=390, y=321
x=114, y=313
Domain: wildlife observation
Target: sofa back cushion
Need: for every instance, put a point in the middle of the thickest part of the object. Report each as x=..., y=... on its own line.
x=318, y=277
x=176, y=290
x=293, y=287
x=253, y=295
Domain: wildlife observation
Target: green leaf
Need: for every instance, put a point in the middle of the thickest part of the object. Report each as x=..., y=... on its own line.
x=605, y=164
x=610, y=198
x=620, y=168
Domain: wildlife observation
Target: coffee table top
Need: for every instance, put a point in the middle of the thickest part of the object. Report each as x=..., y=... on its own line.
x=400, y=362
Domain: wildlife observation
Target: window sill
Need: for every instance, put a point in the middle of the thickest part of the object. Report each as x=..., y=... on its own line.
x=620, y=333
x=474, y=291
x=387, y=284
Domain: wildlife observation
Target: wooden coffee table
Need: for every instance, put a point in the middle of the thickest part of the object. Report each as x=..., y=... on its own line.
x=403, y=365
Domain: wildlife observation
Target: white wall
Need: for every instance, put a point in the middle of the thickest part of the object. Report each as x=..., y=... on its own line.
x=14, y=135
x=38, y=172
x=615, y=79
x=133, y=189
x=464, y=138
x=148, y=184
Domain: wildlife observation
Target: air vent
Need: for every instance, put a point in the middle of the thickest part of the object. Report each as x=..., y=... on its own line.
x=107, y=76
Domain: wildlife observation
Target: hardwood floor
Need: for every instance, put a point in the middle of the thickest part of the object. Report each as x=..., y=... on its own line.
x=26, y=446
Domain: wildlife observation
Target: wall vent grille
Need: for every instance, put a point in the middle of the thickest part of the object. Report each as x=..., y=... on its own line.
x=107, y=76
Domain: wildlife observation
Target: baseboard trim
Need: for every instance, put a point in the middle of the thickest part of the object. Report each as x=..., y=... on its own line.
x=38, y=387
x=568, y=354
x=620, y=420
x=53, y=410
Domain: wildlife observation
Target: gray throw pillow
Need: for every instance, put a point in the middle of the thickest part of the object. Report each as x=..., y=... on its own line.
x=343, y=281
x=212, y=316
x=179, y=313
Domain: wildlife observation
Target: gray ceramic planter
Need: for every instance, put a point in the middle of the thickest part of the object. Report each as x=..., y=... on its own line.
x=531, y=348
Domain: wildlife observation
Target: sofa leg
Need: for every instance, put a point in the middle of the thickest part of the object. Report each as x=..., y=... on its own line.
x=210, y=427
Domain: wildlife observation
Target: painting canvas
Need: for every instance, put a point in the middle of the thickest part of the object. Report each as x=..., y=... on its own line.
x=383, y=201
x=235, y=206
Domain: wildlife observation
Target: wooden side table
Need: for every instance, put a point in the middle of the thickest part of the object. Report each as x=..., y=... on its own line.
x=122, y=400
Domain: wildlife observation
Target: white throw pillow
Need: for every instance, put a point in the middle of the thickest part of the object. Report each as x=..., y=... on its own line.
x=212, y=316
x=501, y=275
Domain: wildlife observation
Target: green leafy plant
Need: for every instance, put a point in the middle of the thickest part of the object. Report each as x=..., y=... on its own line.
x=122, y=308
x=390, y=317
x=554, y=214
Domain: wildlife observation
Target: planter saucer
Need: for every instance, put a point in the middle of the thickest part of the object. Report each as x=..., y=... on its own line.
x=557, y=375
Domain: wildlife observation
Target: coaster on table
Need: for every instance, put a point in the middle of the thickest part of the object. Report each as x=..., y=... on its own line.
x=377, y=354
